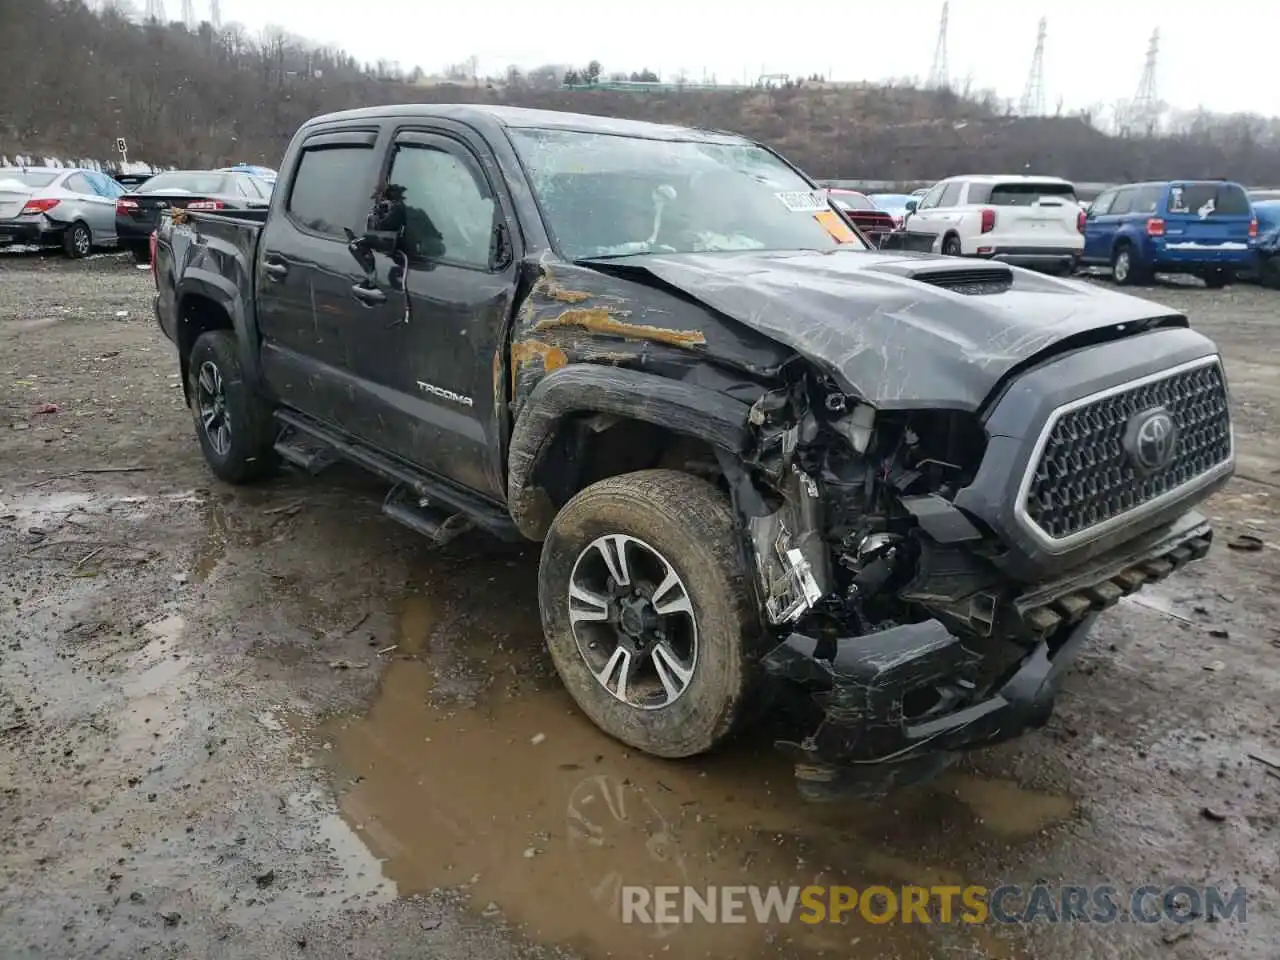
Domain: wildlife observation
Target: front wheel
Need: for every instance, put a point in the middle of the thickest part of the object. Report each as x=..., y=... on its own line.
x=232, y=422
x=648, y=612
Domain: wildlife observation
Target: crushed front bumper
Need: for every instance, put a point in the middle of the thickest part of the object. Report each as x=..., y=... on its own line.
x=866, y=745
x=871, y=739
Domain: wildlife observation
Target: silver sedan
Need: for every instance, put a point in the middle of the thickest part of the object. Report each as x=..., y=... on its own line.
x=49, y=206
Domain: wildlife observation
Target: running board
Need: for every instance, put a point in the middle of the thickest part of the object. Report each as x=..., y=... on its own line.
x=293, y=447
x=417, y=514
x=445, y=499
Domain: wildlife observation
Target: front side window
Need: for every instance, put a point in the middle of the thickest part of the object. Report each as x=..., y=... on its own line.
x=448, y=211
x=1102, y=206
x=606, y=195
x=951, y=195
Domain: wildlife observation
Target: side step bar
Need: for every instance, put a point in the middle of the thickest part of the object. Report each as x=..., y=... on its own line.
x=416, y=514
x=312, y=446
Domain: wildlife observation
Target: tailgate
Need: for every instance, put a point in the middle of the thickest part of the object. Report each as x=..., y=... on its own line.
x=1028, y=207
x=1208, y=214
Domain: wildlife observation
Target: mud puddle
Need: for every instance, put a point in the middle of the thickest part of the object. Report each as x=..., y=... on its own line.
x=474, y=770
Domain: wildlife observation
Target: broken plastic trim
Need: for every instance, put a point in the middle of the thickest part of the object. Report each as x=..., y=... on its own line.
x=866, y=739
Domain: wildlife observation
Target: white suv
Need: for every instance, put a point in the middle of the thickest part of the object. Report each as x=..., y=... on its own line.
x=1028, y=221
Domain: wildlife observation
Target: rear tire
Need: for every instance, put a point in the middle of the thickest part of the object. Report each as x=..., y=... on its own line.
x=77, y=241
x=951, y=246
x=691, y=625
x=1123, y=269
x=233, y=423
x=1217, y=279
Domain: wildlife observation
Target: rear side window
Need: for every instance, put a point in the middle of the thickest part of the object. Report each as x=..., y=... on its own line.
x=331, y=189
x=951, y=195
x=1021, y=194
x=1146, y=199
x=1124, y=200
x=1208, y=199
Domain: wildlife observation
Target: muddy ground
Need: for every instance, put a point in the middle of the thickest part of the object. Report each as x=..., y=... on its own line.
x=261, y=723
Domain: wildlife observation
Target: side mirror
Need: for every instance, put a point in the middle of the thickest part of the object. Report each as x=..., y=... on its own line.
x=912, y=205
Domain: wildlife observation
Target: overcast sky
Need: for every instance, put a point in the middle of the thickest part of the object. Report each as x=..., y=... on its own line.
x=1094, y=52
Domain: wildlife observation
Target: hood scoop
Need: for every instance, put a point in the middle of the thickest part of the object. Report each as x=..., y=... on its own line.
x=971, y=281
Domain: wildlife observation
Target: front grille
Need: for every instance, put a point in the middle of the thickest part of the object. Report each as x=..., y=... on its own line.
x=1085, y=477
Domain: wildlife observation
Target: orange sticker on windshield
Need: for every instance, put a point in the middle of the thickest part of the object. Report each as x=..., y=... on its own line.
x=832, y=223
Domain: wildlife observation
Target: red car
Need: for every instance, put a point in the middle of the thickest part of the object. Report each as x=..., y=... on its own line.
x=868, y=218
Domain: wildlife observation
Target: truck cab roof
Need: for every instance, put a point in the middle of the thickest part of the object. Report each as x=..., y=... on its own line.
x=484, y=116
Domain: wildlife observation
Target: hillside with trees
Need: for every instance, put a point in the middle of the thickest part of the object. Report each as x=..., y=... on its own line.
x=72, y=80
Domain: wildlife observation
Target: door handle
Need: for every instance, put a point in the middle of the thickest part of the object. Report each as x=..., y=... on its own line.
x=276, y=271
x=368, y=295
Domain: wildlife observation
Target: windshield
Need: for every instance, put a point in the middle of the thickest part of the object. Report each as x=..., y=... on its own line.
x=851, y=201
x=30, y=178
x=186, y=181
x=604, y=195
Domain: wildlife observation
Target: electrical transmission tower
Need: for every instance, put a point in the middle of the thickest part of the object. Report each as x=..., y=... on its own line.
x=939, y=74
x=189, y=14
x=1033, y=94
x=1144, y=112
x=215, y=14
x=155, y=10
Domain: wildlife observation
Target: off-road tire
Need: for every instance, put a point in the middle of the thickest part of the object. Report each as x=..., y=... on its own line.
x=690, y=522
x=951, y=246
x=77, y=240
x=251, y=455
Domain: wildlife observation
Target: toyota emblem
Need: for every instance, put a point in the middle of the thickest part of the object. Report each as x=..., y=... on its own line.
x=1151, y=439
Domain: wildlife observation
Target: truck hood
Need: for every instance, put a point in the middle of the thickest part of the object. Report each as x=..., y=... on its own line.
x=891, y=327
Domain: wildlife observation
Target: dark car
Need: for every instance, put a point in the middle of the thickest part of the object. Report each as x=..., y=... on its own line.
x=869, y=218
x=138, y=212
x=768, y=466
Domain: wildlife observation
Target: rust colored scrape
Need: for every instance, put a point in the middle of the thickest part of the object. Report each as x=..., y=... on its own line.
x=601, y=320
x=547, y=287
x=523, y=353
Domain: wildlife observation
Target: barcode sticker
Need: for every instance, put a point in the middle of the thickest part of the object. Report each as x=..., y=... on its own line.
x=803, y=201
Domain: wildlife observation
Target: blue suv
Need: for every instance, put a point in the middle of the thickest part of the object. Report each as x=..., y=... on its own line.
x=1202, y=227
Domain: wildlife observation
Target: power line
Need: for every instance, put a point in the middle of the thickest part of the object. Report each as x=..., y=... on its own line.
x=939, y=74
x=1033, y=94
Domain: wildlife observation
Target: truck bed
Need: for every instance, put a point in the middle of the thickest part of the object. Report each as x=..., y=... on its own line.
x=210, y=249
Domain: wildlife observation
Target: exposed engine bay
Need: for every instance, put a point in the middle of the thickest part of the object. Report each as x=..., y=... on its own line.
x=899, y=619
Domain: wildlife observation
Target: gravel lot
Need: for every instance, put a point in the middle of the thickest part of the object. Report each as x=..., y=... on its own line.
x=268, y=723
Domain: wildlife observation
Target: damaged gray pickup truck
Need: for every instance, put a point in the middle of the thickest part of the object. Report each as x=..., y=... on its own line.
x=772, y=471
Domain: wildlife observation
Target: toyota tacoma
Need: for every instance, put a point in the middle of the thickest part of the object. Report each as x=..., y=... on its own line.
x=882, y=495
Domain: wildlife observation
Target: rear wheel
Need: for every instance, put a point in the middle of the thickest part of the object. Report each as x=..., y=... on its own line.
x=951, y=246
x=647, y=610
x=1123, y=269
x=232, y=422
x=77, y=241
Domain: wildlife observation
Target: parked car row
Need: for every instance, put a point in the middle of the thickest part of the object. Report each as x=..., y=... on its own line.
x=81, y=210
x=1212, y=229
